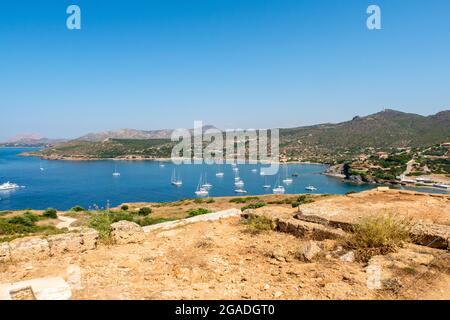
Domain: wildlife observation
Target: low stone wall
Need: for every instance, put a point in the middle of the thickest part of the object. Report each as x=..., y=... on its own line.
x=201, y=218
x=285, y=222
x=319, y=227
x=34, y=248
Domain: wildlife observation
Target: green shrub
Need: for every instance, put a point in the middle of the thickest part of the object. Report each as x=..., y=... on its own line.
x=147, y=221
x=253, y=206
x=198, y=200
x=119, y=216
x=258, y=224
x=50, y=213
x=77, y=209
x=124, y=207
x=33, y=217
x=210, y=200
x=243, y=200
x=379, y=235
x=197, y=212
x=22, y=220
x=144, y=211
x=102, y=224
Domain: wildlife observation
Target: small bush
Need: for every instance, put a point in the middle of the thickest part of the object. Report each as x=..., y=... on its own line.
x=119, y=216
x=144, y=211
x=102, y=224
x=77, y=209
x=243, y=200
x=258, y=224
x=197, y=212
x=253, y=206
x=124, y=207
x=24, y=220
x=210, y=200
x=379, y=235
x=198, y=201
x=50, y=213
x=147, y=221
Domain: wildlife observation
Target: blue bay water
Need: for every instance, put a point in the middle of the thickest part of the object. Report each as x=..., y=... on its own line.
x=64, y=184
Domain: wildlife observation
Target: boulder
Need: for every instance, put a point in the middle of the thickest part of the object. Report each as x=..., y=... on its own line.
x=4, y=252
x=348, y=257
x=127, y=232
x=309, y=251
x=89, y=238
x=29, y=248
x=81, y=241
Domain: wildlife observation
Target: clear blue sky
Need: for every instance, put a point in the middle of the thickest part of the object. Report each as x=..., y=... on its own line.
x=154, y=64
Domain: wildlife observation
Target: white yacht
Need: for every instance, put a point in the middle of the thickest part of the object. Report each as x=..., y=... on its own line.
x=8, y=186
x=240, y=190
x=311, y=188
x=177, y=182
x=254, y=170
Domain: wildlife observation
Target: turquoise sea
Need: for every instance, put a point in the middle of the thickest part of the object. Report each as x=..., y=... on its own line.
x=64, y=184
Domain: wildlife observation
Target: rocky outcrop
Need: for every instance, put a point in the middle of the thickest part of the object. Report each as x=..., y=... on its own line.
x=309, y=251
x=30, y=248
x=35, y=248
x=127, y=232
x=5, y=256
x=432, y=235
x=284, y=222
x=73, y=242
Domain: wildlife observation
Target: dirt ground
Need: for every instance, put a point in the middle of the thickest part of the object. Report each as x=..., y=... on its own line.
x=222, y=260
x=421, y=207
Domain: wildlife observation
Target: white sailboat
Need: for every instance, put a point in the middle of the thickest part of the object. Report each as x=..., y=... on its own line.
x=116, y=173
x=219, y=173
x=279, y=189
x=287, y=179
x=201, y=191
x=207, y=185
x=266, y=185
x=311, y=188
x=176, y=181
x=240, y=190
x=40, y=166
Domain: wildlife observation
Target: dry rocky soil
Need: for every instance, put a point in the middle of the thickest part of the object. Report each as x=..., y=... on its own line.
x=224, y=259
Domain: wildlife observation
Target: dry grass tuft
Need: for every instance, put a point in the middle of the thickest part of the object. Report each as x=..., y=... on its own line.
x=379, y=235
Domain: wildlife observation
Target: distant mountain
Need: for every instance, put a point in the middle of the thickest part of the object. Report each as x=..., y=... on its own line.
x=326, y=143
x=30, y=140
x=388, y=128
x=131, y=134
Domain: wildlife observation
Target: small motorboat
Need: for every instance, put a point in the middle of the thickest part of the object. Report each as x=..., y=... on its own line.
x=311, y=188
x=240, y=190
